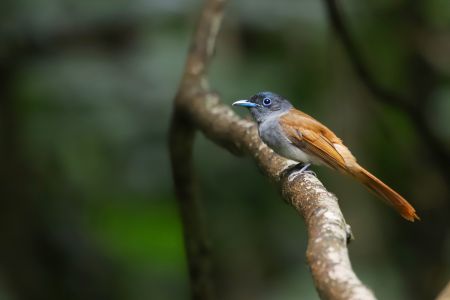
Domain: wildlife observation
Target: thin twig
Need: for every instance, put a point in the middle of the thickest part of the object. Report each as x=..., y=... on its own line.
x=357, y=61
x=416, y=114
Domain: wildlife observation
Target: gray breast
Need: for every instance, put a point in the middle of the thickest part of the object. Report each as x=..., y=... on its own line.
x=273, y=136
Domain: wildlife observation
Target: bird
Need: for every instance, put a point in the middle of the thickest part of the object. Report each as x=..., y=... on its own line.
x=297, y=136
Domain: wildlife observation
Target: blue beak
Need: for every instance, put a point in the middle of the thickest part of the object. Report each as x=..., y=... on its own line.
x=244, y=103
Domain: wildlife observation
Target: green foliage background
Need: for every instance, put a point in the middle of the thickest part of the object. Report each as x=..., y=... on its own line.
x=87, y=204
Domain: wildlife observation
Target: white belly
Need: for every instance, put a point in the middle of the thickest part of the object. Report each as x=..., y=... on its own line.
x=294, y=153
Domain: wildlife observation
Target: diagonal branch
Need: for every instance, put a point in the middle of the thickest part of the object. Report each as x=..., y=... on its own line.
x=327, y=253
x=357, y=61
x=416, y=113
x=445, y=293
x=196, y=107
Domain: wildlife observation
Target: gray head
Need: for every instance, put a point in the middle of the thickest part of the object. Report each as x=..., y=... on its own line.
x=264, y=105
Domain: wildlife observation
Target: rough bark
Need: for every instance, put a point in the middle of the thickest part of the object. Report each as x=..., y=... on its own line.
x=197, y=108
x=445, y=294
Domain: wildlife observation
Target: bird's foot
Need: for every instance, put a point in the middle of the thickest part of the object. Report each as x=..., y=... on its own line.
x=303, y=170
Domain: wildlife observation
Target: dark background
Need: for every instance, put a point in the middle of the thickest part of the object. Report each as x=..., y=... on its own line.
x=87, y=209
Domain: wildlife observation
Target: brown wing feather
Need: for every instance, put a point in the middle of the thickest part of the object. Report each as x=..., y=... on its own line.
x=298, y=118
x=317, y=140
x=313, y=138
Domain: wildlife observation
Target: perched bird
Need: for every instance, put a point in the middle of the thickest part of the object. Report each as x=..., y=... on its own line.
x=299, y=137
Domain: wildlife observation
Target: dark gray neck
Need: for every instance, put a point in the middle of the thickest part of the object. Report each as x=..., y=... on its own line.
x=274, y=115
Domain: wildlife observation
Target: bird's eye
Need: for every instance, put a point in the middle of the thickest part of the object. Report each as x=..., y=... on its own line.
x=267, y=101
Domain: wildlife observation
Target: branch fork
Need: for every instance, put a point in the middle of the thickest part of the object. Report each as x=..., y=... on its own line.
x=196, y=108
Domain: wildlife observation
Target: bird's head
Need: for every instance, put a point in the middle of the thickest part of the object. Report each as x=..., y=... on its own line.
x=264, y=105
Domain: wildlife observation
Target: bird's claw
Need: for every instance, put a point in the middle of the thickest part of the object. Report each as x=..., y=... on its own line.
x=303, y=170
x=310, y=172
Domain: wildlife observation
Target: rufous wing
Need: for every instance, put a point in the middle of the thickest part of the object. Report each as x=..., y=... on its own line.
x=313, y=138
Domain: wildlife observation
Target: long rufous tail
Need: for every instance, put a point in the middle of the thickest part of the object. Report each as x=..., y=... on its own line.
x=385, y=192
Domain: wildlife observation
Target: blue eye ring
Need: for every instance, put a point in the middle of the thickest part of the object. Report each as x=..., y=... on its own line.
x=267, y=102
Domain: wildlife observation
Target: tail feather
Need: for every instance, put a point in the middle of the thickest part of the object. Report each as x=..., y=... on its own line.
x=386, y=193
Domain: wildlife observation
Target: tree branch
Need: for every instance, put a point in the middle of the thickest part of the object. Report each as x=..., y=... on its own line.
x=357, y=61
x=327, y=253
x=423, y=81
x=196, y=241
x=416, y=113
x=182, y=132
x=196, y=107
x=445, y=293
